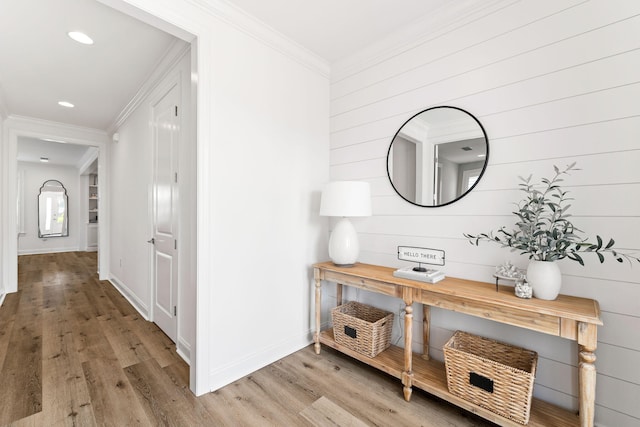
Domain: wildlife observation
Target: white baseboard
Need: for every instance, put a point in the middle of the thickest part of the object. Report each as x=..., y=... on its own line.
x=226, y=374
x=2, y=298
x=140, y=306
x=184, y=350
x=46, y=251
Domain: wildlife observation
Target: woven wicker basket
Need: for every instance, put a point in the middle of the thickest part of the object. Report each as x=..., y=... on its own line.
x=362, y=328
x=491, y=374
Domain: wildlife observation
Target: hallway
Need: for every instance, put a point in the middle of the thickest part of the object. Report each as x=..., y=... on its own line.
x=73, y=351
x=65, y=336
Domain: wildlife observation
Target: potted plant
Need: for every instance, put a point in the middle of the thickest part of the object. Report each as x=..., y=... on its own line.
x=545, y=233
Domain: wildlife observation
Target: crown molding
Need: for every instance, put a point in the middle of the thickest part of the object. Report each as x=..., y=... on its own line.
x=90, y=156
x=39, y=127
x=449, y=17
x=247, y=23
x=174, y=53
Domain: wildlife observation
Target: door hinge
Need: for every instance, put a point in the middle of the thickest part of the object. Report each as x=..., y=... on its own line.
x=175, y=244
x=175, y=310
x=176, y=176
x=176, y=111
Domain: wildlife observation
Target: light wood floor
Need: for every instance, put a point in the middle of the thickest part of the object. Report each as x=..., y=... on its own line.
x=73, y=351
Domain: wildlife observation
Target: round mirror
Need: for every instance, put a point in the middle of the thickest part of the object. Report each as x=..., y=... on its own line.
x=437, y=156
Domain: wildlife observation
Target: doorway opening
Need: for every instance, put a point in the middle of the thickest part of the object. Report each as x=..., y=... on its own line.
x=107, y=236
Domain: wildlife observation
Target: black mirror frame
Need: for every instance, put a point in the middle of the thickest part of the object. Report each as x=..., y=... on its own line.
x=66, y=201
x=484, y=168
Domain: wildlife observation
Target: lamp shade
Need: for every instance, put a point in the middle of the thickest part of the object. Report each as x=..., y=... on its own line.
x=346, y=199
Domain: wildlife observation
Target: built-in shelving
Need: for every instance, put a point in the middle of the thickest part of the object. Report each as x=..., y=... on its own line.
x=93, y=199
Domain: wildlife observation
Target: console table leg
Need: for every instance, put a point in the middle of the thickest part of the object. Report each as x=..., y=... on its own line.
x=426, y=320
x=316, y=336
x=407, y=382
x=407, y=375
x=587, y=372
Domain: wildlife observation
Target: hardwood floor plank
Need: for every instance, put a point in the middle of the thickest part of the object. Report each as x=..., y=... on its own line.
x=10, y=307
x=89, y=340
x=113, y=399
x=7, y=319
x=53, y=297
x=325, y=413
x=164, y=403
x=119, y=302
x=159, y=346
x=21, y=391
x=125, y=343
x=382, y=393
x=35, y=420
x=178, y=374
x=98, y=300
x=66, y=399
x=33, y=276
x=22, y=365
x=248, y=402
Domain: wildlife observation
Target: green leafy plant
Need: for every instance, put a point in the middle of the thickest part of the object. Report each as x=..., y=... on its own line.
x=543, y=230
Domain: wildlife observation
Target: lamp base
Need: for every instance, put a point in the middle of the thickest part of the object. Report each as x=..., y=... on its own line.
x=343, y=244
x=343, y=265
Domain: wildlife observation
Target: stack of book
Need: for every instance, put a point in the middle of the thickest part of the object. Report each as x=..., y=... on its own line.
x=419, y=273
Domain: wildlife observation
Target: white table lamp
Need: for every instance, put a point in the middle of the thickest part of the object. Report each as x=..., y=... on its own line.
x=345, y=199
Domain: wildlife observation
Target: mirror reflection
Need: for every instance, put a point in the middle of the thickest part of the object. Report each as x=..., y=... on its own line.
x=53, y=219
x=437, y=156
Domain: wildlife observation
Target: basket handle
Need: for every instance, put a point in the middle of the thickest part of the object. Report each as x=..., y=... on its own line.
x=481, y=381
x=350, y=332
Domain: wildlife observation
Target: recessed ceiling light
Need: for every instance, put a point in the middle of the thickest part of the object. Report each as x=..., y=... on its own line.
x=44, y=159
x=66, y=104
x=80, y=37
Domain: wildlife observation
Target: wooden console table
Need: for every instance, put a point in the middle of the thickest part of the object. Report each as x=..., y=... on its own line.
x=568, y=317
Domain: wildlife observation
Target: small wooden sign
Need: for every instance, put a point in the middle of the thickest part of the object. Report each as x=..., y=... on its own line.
x=421, y=255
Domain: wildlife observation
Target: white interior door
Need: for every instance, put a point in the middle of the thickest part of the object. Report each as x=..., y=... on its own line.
x=166, y=133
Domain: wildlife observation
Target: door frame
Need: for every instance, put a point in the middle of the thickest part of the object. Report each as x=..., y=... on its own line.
x=15, y=127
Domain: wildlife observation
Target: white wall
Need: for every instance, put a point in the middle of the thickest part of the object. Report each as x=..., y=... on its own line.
x=34, y=176
x=263, y=151
x=130, y=181
x=267, y=164
x=552, y=83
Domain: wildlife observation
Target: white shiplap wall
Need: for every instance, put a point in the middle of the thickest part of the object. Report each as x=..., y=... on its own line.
x=552, y=82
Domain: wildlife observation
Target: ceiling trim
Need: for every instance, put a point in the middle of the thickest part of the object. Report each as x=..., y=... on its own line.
x=262, y=32
x=170, y=59
x=451, y=16
x=40, y=128
x=86, y=161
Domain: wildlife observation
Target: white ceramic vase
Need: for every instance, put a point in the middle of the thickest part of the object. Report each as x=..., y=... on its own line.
x=545, y=279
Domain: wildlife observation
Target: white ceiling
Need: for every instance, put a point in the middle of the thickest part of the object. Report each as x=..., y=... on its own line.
x=59, y=154
x=40, y=65
x=334, y=29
